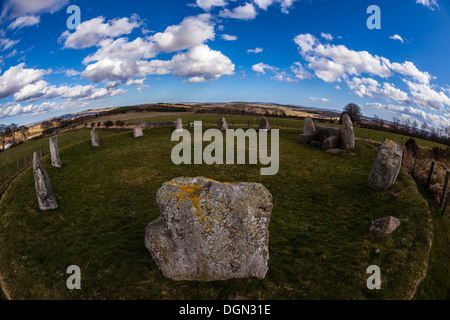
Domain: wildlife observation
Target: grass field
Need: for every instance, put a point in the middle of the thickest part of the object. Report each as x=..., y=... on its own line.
x=320, y=245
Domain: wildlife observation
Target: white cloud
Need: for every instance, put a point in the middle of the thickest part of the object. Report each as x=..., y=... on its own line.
x=283, y=76
x=244, y=12
x=228, y=37
x=327, y=36
x=256, y=50
x=409, y=69
x=426, y=97
x=319, y=99
x=191, y=32
x=17, y=8
x=208, y=4
x=72, y=73
x=7, y=43
x=24, y=21
x=300, y=72
x=431, y=4
x=11, y=109
x=368, y=87
x=133, y=82
x=17, y=77
x=286, y=5
x=89, y=33
x=261, y=68
x=397, y=37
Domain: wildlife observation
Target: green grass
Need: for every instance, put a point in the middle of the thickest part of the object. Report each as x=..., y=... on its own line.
x=320, y=245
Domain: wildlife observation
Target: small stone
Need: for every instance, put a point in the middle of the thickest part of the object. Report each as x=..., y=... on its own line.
x=377, y=251
x=179, y=125
x=335, y=151
x=331, y=142
x=94, y=138
x=384, y=226
x=137, y=132
x=54, y=152
x=264, y=124
x=44, y=191
x=222, y=124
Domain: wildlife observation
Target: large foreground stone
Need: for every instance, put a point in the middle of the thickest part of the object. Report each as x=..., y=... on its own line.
x=137, y=132
x=222, y=124
x=44, y=191
x=347, y=135
x=386, y=166
x=94, y=138
x=210, y=230
x=54, y=152
x=384, y=226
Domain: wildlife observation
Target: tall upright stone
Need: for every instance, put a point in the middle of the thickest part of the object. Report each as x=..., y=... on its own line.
x=44, y=191
x=179, y=125
x=210, y=230
x=386, y=167
x=309, y=131
x=137, y=132
x=347, y=133
x=94, y=138
x=264, y=124
x=222, y=124
x=54, y=152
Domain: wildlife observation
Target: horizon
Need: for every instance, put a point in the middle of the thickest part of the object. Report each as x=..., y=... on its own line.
x=316, y=54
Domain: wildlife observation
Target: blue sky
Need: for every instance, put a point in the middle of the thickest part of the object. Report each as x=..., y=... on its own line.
x=317, y=53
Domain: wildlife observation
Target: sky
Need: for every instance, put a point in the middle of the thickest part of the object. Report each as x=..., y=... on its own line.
x=316, y=53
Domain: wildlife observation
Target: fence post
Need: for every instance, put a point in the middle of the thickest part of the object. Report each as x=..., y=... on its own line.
x=430, y=174
x=445, y=187
x=9, y=176
x=42, y=151
x=414, y=167
x=445, y=203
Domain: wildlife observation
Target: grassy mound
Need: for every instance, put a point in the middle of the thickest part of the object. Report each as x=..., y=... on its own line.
x=320, y=245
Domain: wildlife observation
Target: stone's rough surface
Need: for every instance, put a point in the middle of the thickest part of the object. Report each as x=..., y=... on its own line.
x=222, y=124
x=316, y=143
x=44, y=191
x=179, y=125
x=305, y=138
x=54, y=152
x=386, y=166
x=385, y=225
x=94, y=138
x=324, y=131
x=331, y=142
x=264, y=124
x=308, y=127
x=335, y=151
x=137, y=132
x=347, y=134
x=210, y=230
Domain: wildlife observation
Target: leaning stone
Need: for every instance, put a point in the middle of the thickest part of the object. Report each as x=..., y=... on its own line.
x=324, y=131
x=222, y=124
x=335, y=151
x=347, y=134
x=54, y=152
x=264, y=124
x=94, y=138
x=386, y=167
x=384, y=226
x=308, y=127
x=331, y=142
x=44, y=191
x=137, y=132
x=210, y=230
x=179, y=125
x=305, y=138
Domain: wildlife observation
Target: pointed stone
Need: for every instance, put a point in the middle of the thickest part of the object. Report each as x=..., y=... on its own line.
x=309, y=127
x=222, y=124
x=264, y=124
x=347, y=134
x=44, y=191
x=94, y=138
x=54, y=152
x=179, y=125
x=137, y=132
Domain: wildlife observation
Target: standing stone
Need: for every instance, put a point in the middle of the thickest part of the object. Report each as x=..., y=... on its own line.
x=331, y=142
x=384, y=226
x=347, y=134
x=44, y=191
x=179, y=125
x=94, y=138
x=386, y=167
x=210, y=230
x=54, y=152
x=309, y=131
x=264, y=124
x=137, y=132
x=222, y=124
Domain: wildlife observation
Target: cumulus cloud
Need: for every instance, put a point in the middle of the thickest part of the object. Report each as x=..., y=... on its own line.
x=261, y=68
x=89, y=33
x=327, y=36
x=426, y=97
x=17, y=77
x=256, y=50
x=300, y=72
x=244, y=12
x=17, y=8
x=24, y=21
x=191, y=32
x=371, y=88
x=208, y=4
x=397, y=37
x=228, y=37
x=286, y=5
x=14, y=109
